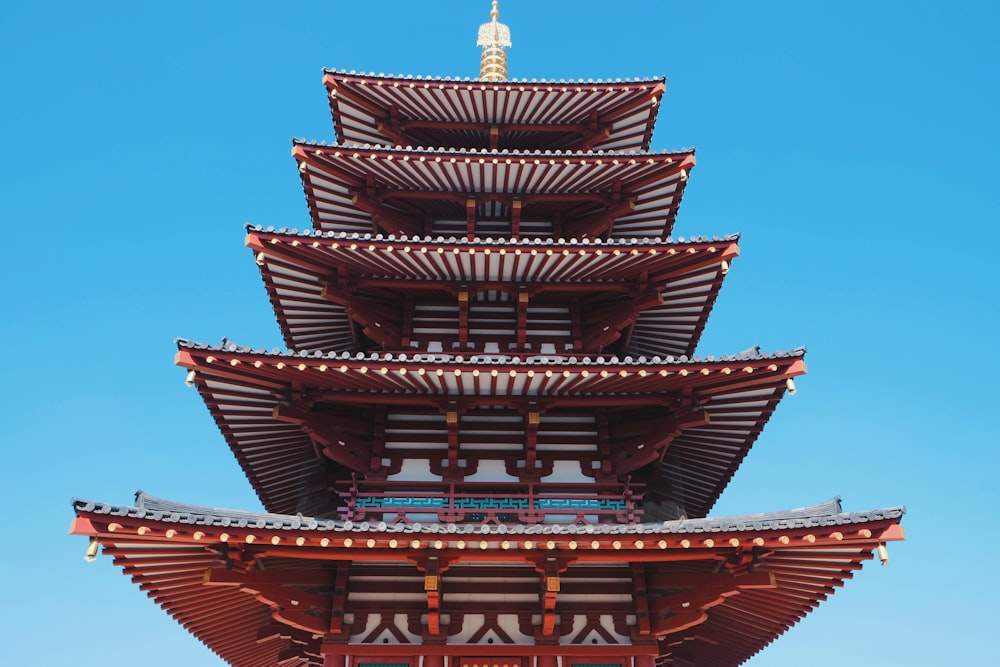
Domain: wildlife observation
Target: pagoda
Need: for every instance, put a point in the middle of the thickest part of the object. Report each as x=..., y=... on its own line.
x=489, y=442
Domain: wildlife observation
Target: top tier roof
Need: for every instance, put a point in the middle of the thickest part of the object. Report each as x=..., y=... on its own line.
x=515, y=115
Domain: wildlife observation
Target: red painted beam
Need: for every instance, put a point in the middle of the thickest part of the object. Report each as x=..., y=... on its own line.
x=499, y=650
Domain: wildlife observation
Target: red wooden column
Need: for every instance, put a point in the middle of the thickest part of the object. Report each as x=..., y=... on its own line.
x=431, y=661
x=545, y=661
x=334, y=659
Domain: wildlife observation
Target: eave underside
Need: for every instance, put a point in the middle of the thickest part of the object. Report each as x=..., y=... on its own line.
x=223, y=575
x=514, y=115
x=312, y=280
x=368, y=189
x=404, y=406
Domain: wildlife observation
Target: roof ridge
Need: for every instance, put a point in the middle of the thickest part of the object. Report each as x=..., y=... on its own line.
x=549, y=152
x=489, y=240
x=534, y=359
x=460, y=80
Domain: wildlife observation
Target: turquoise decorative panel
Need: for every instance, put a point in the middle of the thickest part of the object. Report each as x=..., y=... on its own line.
x=579, y=504
x=395, y=502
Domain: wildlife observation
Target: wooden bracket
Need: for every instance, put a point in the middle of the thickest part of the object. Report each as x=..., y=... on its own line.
x=463, y=316
x=329, y=433
x=515, y=218
x=296, y=608
x=656, y=435
x=380, y=320
x=451, y=419
x=470, y=217
x=339, y=600
x=679, y=611
x=433, y=567
x=639, y=594
x=522, y=316
x=389, y=220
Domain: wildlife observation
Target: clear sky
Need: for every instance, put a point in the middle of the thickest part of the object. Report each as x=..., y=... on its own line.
x=853, y=144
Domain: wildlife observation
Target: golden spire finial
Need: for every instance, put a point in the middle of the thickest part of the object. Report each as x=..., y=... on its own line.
x=494, y=37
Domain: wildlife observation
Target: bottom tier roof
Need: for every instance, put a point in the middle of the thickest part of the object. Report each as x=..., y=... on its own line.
x=271, y=589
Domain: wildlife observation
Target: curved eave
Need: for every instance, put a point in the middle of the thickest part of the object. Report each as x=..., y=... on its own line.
x=605, y=115
x=415, y=378
x=333, y=177
x=296, y=266
x=172, y=574
x=459, y=80
x=700, y=463
x=676, y=325
x=169, y=548
x=242, y=389
x=154, y=519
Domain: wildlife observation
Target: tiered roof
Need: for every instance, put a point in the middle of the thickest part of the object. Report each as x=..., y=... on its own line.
x=554, y=115
x=511, y=305
x=362, y=188
x=685, y=276
x=782, y=563
x=244, y=389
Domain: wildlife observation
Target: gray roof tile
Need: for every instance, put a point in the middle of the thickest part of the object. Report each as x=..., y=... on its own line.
x=445, y=150
x=500, y=241
x=752, y=354
x=149, y=507
x=457, y=79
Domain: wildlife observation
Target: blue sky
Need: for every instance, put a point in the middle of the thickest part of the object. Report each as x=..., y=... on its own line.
x=853, y=144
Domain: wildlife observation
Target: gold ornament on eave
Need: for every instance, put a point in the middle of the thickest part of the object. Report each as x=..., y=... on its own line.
x=494, y=37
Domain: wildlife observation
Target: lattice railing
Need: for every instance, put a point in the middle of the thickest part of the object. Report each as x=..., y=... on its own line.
x=477, y=502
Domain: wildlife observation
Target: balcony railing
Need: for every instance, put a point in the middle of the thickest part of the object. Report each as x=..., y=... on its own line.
x=485, y=502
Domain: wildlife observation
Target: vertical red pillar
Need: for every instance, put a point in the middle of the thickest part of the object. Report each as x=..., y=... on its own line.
x=645, y=661
x=431, y=661
x=334, y=659
x=548, y=661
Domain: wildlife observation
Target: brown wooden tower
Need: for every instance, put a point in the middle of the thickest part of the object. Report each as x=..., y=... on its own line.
x=489, y=443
